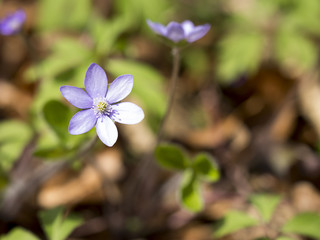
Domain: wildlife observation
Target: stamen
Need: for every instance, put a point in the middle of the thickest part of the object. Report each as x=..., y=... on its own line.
x=100, y=107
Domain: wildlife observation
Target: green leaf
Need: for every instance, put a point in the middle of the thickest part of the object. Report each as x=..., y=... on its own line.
x=57, y=116
x=171, y=156
x=137, y=11
x=48, y=89
x=205, y=167
x=53, y=149
x=285, y=238
x=234, y=221
x=266, y=204
x=19, y=233
x=66, y=54
x=4, y=180
x=147, y=83
x=13, y=138
x=190, y=194
x=61, y=14
x=51, y=119
x=306, y=224
x=303, y=14
x=239, y=53
x=303, y=57
x=152, y=9
x=106, y=33
x=56, y=226
x=199, y=67
x=54, y=152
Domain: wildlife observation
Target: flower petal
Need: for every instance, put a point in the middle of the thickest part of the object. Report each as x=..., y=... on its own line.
x=127, y=113
x=187, y=26
x=82, y=122
x=119, y=88
x=96, y=81
x=157, y=27
x=198, y=32
x=107, y=131
x=175, y=32
x=12, y=23
x=76, y=96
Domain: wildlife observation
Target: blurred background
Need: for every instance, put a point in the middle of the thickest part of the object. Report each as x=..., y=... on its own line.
x=248, y=95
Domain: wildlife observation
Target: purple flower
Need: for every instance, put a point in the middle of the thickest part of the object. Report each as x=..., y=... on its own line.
x=177, y=32
x=101, y=105
x=12, y=23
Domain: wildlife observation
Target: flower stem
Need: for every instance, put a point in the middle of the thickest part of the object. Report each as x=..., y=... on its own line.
x=174, y=80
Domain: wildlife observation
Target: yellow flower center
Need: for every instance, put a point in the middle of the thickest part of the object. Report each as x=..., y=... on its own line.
x=102, y=106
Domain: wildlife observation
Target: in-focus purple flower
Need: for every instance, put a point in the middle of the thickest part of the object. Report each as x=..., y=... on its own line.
x=177, y=32
x=12, y=23
x=100, y=105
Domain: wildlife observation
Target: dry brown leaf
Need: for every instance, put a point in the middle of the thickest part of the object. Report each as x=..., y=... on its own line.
x=14, y=100
x=305, y=197
x=139, y=137
x=87, y=186
x=192, y=232
x=219, y=208
x=309, y=98
x=284, y=123
x=230, y=128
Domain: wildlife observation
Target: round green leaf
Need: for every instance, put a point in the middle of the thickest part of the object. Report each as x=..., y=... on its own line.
x=57, y=116
x=56, y=225
x=306, y=224
x=285, y=238
x=266, y=204
x=303, y=57
x=13, y=138
x=19, y=233
x=234, y=221
x=239, y=53
x=206, y=168
x=190, y=194
x=171, y=156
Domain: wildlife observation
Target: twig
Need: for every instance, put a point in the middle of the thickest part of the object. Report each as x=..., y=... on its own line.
x=20, y=191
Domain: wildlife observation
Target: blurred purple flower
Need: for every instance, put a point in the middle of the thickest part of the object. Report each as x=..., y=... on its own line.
x=177, y=32
x=101, y=105
x=12, y=23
